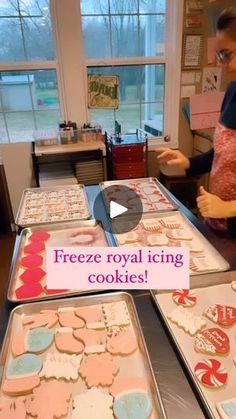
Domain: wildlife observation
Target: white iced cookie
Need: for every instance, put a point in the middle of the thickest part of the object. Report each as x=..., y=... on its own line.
x=193, y=245
x=227, y=408
x=157, y=240
x=61, y=366
x=92, y=404
x=116, y=314
x=186, y=320
x=203, y=264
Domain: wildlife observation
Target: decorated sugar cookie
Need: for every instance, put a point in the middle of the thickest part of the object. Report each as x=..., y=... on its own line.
x=93, y=340
x=179, y=234
x=47, y=318
x=20, y=386
x=34, y=247
x=92, y=316
x=221, y=314
x=121, y=341
x=39, y=236
x=99, y=369
x=203, y=264
x=130, y=237
x=227, y=408
x=92, y=404
x=36, y=340
x=186, y=320
x=133, y=405
x=116, y=314
x=157, y=240
x=50, y=400
x=151, y=225
x=211, y=373
x=31, y=261
x=66, y=342
x=32, y=275
x=67, y=318
x=212, y=341
x=13, y=409
x=31, y=290
x=25, y=365
x=61, y=366
x=184, y=298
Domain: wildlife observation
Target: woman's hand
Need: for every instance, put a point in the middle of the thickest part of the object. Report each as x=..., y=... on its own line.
x=172, y=158
x=212, y=206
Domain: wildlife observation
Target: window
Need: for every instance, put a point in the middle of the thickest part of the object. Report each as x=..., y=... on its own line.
x=28, y=99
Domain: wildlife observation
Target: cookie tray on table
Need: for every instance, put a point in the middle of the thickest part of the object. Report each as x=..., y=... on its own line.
x=79, y=357
x=29, y=279
x=52, y=205
x=153, y=195
x=207, y=342
x=175, y=230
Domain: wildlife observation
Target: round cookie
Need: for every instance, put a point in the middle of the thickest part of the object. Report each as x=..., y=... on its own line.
x=39, y=236
x=121, y=341
x=66, y=342
x=133, y=405
x=32, y=275
x=212, y=341
x=184, y=298
x=211, y=373
x=26, y=365
x=31, y=261
x=34, y=247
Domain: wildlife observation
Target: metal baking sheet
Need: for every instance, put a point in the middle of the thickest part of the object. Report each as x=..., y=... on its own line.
x=137, y=364
x=43, y=217
x=63, y=234
x=210, y=259
x=169, y=202
x=210, y=289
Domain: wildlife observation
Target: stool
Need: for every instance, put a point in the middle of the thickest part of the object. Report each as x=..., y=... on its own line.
x=184, y=188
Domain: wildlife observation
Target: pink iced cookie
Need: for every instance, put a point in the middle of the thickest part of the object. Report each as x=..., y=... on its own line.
x=31, y=261
x=121, y=341
x=66, y=342
x=93, y=317
x=67, y=318
x=13, y=409
x=93, y=340
x=47, y=318
x=29, y=291
x=127, y=384
x=32, y=275
x=98, y=369
x=20, y=386
x=34, y=247
x=50, y=400
x=39, y=236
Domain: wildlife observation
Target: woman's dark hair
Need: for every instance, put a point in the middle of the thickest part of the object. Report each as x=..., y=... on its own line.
x=227, y=22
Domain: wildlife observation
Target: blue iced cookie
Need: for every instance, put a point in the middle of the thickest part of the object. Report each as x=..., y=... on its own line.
x=133, y=405
x=24, y=366
x=39, y=339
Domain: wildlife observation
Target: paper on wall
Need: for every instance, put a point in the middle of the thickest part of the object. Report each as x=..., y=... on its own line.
x=187, y=91
x=211, y=79
x=205, y=110
x=187, y=77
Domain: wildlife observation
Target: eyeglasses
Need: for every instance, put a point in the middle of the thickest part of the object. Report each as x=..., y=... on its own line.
x=224, y=56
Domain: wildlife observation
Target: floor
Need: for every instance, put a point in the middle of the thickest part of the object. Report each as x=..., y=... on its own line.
x=6, y=250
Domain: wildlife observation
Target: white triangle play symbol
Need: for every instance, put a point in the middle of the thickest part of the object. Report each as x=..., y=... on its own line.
x=116, y=209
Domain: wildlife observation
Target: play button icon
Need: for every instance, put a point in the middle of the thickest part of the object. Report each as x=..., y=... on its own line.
x=116, y=209
x=119, y=208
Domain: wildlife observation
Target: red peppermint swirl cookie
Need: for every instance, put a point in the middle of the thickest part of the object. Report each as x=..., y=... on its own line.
x=184, y=298
x=211, y=373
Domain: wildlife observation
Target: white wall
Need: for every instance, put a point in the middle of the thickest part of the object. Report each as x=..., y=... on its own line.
x=17, y=163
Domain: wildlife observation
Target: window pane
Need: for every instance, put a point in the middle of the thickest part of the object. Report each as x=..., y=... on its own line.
x=20, y=126
x=47, y=119
x=9, y=8
x=152, y=6
x=125, y=36
x=104, y=117
x=15, y=92
x=34, y=8
x=38, y=39
x=3, y=131
x=94, y=7
x=152, y=35
x=11, y=40
x=96, y=37
x=123, y=7
x=129, y=117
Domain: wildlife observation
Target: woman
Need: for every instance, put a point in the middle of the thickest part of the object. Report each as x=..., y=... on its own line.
x=219, y=204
